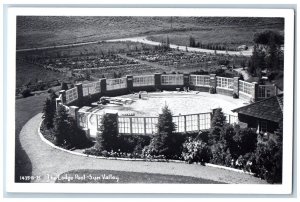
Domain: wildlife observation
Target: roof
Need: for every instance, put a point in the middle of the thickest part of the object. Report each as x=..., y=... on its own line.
x=269, y=109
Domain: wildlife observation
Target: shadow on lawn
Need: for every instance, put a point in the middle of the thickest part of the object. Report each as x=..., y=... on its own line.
x=111, y=176
x=23, y=165
x=26, y=108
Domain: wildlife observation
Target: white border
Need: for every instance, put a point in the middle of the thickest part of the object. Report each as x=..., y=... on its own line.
x=286, y=186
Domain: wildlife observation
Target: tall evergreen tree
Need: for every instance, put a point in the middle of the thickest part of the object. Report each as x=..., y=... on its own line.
x=61, y=126
x=107, y=138
x=49, y=110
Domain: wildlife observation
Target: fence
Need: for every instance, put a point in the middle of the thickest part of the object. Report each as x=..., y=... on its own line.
x=199, y=80
x=222, y=85
x=172, y=79
x=113, y=84
x=147, y=80
x=91, y=88
x=71, y=95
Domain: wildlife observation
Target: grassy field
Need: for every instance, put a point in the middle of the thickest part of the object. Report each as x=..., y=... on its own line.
x=26, y=73
x=25, y=109
x=55, y=30
x=110, y=176
x=228, y=37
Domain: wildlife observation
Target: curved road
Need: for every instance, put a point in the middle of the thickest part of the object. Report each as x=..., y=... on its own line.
x=47, y=161
x=143, y=39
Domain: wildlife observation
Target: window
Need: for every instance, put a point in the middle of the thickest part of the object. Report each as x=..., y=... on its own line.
x=262, y=125
x=124, y=125
x=91, y=88
x=112, y=84
x=143, y=80
x=224, y=82
x=137, y=125
x=151, y=125
x=172, y=79
x=199, y=80
x=71, y=95
x=245, y=87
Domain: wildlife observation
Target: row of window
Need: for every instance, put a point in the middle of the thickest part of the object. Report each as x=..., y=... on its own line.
x=192, y=122
x=265, y=91
x=146, y=125
x=172, y=79
x=71, y=95
x=224, y=82
x=112, y=84
x=91, y=88
x=137, y=125
x=245, y=87
x=199, y=80
x=143, y=80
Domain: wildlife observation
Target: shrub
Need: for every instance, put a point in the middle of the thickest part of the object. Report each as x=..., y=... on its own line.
x=268, y=161
x=133, y=143
x=26, y=92
x=66, y=132
x=203, y=136
x=246, y=140
x=196, y=151
x=219, y=153
x=107, y=138
x=212, y=90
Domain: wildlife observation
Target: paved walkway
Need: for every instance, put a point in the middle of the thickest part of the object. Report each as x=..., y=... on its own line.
x=47, y=161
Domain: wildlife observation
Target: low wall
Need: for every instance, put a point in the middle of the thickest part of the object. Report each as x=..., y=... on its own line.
x=200, y=88
x=224, y=91
x=245, y=97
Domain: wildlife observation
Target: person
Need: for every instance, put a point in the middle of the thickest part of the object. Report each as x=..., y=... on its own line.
x=140, y=95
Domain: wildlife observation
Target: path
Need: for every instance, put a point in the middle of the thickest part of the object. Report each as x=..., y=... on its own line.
x=143, y=39
x=50, y=161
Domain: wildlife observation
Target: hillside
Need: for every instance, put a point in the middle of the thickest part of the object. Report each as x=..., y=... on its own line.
x=37, y=31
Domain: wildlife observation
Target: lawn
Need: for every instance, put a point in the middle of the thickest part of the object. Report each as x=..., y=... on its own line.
x=55, y=30
x=227, y=36
x=26, y=108
x=26, y=72
x=110, y=176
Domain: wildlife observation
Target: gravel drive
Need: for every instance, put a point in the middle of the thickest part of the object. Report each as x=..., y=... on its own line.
x=48, y=162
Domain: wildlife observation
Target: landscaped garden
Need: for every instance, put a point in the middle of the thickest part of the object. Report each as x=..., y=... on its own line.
x=222, y=144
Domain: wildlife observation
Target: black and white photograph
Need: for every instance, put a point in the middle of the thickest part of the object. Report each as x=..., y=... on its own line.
x=126, y=98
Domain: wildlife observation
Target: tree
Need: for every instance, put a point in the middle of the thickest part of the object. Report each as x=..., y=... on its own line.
x=107, y=138
x=257, y=61
x=192, y=42
x=265, y=37
x=162, y=142
x=49, y=110
x=268, y=162
x=217, y=123
x=61, y=126
x=218, y=119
